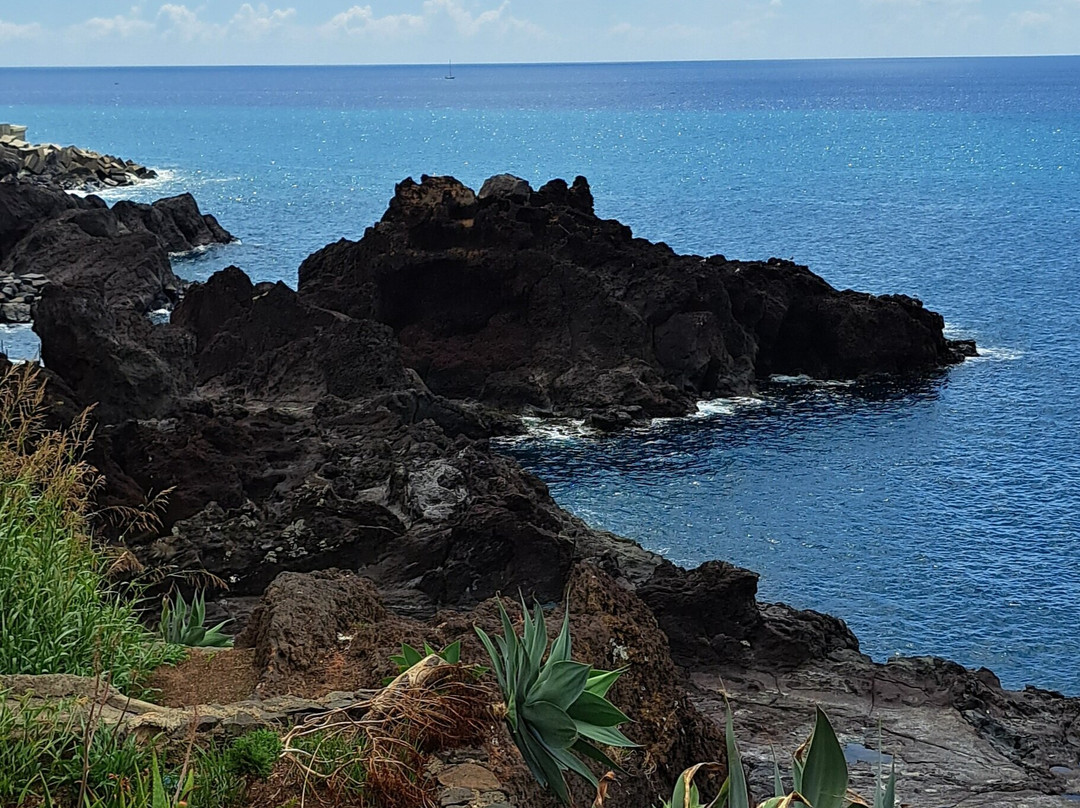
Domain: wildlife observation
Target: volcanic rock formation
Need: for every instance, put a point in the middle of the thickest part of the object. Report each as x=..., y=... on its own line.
x=47, y=235
x=345, y=426
x=528, y=300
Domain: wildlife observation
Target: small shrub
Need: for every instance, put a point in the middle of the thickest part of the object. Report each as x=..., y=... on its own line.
x=254, y=754
x=409, y=656
x=216, y=784
x=337, y=758
x=48, y=757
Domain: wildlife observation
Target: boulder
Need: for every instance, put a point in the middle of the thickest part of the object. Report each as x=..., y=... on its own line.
x=302, y=615
x=505, y=185
x=176, y=221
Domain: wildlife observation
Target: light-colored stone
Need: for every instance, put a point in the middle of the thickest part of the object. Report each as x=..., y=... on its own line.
x=469, y=775
x=145, y=720
x=15, y=312
x=456, y=796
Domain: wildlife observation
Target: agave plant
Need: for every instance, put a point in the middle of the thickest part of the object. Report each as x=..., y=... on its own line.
x=409, y=656
x=183, y=623
x=819, y=775
x=556, y=709
x=686, y=794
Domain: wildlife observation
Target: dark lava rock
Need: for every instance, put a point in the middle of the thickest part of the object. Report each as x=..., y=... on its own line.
x=301, y=616
x=175, y=220
x=23, y=205
x=526, y=298
x=711, y=615
x=117, y=258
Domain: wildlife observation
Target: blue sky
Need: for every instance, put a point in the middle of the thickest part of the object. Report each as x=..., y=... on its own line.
x=75, y=32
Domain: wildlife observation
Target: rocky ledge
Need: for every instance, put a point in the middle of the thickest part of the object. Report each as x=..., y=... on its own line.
x=328, y=456
x=49, y=236
x=67, y=167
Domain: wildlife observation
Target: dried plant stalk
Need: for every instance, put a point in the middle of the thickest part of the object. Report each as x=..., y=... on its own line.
x=430, y=707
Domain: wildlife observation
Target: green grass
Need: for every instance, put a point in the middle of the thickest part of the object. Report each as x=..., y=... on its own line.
x=58, y=612
x=47, y=758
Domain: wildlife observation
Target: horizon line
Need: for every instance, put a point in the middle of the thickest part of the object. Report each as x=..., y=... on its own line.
x=555, y=63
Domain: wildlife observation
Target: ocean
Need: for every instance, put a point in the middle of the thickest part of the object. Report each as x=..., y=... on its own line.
x=937, y=519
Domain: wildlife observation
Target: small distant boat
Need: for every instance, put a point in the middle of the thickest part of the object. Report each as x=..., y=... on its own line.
x=449, y=70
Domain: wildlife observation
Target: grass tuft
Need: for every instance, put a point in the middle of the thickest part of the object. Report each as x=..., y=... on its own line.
x=58, y=612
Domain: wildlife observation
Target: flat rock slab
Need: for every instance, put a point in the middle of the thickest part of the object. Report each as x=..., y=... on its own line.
x=1002, y=756
x=469, y=776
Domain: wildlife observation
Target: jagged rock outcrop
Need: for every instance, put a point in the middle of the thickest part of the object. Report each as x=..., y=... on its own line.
x=119, y=255
x=176, y=220
x=526, y=299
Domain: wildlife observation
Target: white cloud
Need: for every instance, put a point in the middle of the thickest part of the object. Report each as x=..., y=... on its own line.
x=257, y=21
x=362, y=20
x=470, y=25
x=1031, y=19
x=11, y=30
x=122, y=25
x=249, y=21
x=183, y=22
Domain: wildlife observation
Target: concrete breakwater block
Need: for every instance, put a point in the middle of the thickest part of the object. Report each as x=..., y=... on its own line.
x=70, y=167
x=17, y=294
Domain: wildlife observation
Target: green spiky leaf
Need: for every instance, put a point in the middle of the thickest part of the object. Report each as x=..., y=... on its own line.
x=738, y=793
x=600, y=682
x=553, y=726
x=825, y=773
x=562, y=683
x=593, y=709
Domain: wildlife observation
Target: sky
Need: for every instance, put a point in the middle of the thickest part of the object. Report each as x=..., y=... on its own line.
x=102, y=32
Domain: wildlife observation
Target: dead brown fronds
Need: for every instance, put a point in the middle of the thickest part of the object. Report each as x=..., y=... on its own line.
x=430, y=707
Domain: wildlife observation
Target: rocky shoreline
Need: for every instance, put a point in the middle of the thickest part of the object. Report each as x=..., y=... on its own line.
x=66, y=167
x=48, y=236
x=328, y=454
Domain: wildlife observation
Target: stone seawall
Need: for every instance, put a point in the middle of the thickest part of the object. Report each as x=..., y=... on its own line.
x=69, y=167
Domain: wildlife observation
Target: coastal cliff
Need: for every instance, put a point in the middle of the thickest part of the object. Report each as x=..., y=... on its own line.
x=344, y=426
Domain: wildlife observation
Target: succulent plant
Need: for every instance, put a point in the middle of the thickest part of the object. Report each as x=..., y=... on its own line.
x=819, y=775
x=183, y=623
x=556, y=709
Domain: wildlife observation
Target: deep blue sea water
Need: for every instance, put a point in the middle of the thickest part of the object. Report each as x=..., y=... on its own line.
x=943, y=519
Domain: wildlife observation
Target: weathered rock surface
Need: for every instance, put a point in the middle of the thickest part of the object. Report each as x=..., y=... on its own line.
x=526, y=299
x=353, y=637
x=175, y=220
x=67, y=167
x=957, y=737
x=118, y=256
x=345, y=427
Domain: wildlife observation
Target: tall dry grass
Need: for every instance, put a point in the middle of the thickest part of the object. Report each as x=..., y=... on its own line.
x=58, y=611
